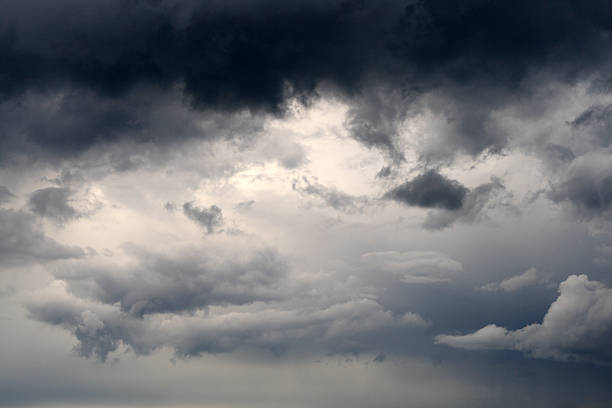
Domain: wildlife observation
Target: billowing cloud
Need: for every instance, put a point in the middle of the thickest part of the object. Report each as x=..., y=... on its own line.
x=577, y=327
x=293, y=51
x=196, y=302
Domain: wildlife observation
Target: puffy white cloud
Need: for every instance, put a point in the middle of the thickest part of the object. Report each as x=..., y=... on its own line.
x=577, y=327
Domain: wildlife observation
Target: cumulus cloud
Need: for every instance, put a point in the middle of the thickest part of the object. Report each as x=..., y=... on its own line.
x=576, y=327
x=22, y=241
x=414, y=267
x=513, y=283
x=209, y=218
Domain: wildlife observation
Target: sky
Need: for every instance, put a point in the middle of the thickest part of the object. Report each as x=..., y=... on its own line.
x=342, y=203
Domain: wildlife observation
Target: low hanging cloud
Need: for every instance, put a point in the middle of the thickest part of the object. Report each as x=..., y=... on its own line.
x=414, y=267
x=22, y=241
x=197, y=301
x=449, y=200
x=576, y=327
x=208, y=218
x=513, y=283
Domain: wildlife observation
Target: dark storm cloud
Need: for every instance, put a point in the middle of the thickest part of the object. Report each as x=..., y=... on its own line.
x=53, y=203
x=22, y=241
x=5, y=195
x=178, y=283
x=449, y=200
x=209, y=218
x=430, y=190
x=254, y=55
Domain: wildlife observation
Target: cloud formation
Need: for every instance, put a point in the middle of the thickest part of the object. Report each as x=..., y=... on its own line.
x=53, y=203
x=513, y=283
x=22, y=241
x=577, y=327
x=449, y=200
x=209, y=218
x=195, y=302
x=413, y=267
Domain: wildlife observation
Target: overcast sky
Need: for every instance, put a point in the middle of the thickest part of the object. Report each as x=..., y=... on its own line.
x=262, y=203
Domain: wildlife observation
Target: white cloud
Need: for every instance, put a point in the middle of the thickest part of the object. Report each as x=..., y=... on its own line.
x=577, y=327
x=513, y=283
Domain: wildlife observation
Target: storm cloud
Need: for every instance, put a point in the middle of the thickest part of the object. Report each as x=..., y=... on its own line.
x=86, y=53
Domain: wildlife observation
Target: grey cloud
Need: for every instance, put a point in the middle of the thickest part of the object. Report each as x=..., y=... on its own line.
x=513, y=283
x=177, y=283
x=576, y=327
x=374, y=121
x=255, y=56
x=449, y=200
x=430, y=190
x=331, y=196
x=5, y=195
x=22, y=241
x=595, y=121
x=101, y=329
x=414, y=267
x=586, y=184
x=53, y=203
x=208, y=218
x=473, y=210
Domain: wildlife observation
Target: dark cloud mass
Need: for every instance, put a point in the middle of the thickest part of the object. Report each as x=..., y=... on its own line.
x=430, y=190
x=255, y=55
